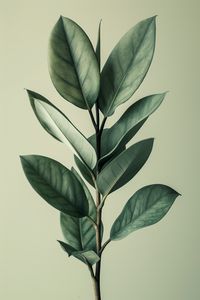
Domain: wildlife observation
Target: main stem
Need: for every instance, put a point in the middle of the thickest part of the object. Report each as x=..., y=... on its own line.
x=98, y=221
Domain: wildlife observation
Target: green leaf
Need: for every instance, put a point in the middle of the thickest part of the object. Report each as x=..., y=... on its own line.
x=73, y=64
x=78, y=232
x=60, y=127
x=127, y=66
x=85, y=171
x=55, y=184
x=146, y=207
x=92, y=206
x=124, y=167
x=87, y=257
x=67, y=248
x=98, y=47
x=130, y=122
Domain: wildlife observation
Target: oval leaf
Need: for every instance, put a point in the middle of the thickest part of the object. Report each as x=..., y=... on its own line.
x=130, y=122
x=124, y=167
x=73, y=64
x=55, y=184
x=60, y=127
x=146, y=207
x=127, y=66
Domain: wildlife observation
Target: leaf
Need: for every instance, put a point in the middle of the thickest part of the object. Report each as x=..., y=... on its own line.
x=92, y=206
x=124, y=167
x=146, y=207
x=86, y=172
x=55, y=184
x=87, y=257
x=60, y=127
x=130, y=122
x=78, y=232
x=67, y=248
x=73, y=65
x=127, y=66
x=98, y=47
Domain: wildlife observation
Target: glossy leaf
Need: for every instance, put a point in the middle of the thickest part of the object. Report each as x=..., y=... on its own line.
x=56, y=184
x=130, y=122
x=86, y=172
x=146, y=207
x=60, y=127
x=73, y=64
x=124, y=167
x=127, y=66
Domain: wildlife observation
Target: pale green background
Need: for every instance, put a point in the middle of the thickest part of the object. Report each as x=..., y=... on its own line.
x=158, y=263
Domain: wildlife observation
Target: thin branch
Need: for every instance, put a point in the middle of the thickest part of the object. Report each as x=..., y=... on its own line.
x=104, y=246
x=92, y=118
x=91, y=271
x=100, y=206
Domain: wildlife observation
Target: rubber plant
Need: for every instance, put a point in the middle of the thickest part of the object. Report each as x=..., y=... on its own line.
x=104, y=161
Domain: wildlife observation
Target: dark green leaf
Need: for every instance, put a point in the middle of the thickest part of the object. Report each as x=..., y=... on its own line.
x=124, y=167
x=146, y=207
x=73, y=64
x=129, y=123
x=59, y=126
x=86, y=173
x=56, y=184
x=127, y=66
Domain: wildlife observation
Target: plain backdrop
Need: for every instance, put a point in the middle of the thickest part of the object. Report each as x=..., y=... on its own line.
x=160, y=262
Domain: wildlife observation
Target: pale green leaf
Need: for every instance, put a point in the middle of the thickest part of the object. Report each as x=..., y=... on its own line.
x=127, y=66
x=60, y=127
x=55, y=184
x=146, y=207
